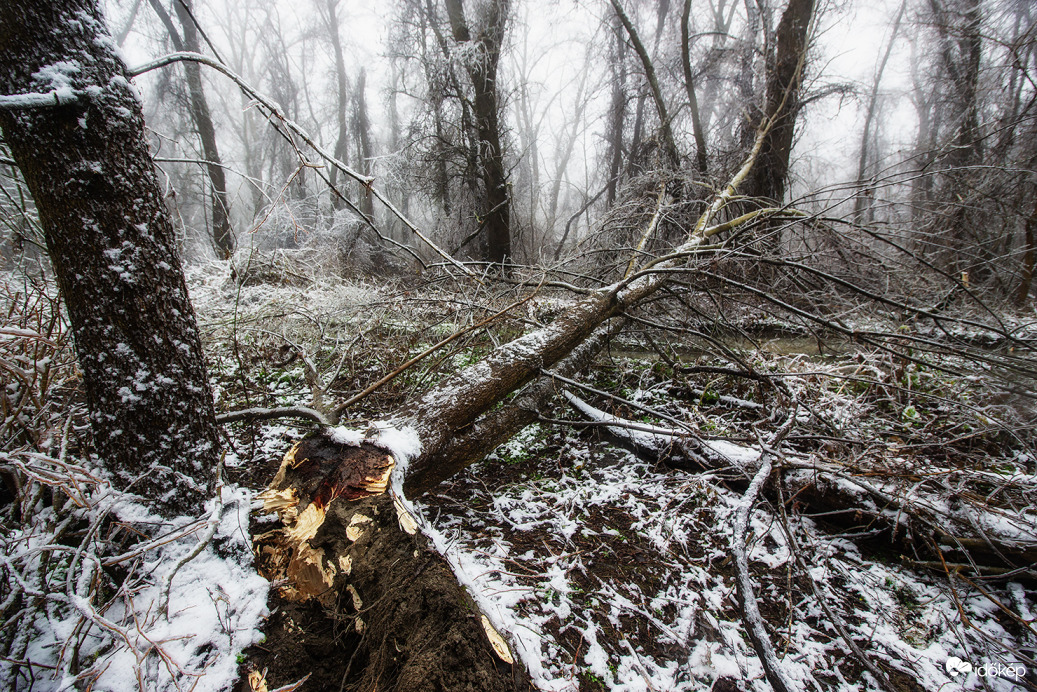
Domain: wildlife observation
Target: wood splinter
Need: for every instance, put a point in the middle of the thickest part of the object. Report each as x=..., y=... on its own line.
x=355, y=548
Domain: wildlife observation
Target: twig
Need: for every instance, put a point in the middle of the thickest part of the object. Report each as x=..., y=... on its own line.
x=776, y=675
x=340, y=409
x=259, y=413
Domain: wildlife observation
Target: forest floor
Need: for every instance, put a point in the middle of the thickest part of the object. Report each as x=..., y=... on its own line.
x=608, y=568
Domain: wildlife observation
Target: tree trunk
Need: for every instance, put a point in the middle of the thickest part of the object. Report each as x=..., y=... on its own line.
x=768, y=178
x=1029, y=256
x=342, y=140
x=351, y=545
x=616, y=114
x=862, y=202
x=669, y=144
x=362, y=128
x=222, y=236
x=112, y=246
x=482, y=71
x=689, y=86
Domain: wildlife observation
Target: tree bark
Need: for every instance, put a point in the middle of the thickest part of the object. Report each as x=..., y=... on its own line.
x=362, y=128
x=482, y=71
x=689, y=86
x=616, y=114
x=222, y=236
x=862, y=202
x=112, y=246
x=768, y=178
x=1029, y=256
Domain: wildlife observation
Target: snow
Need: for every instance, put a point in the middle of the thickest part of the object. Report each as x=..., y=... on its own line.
x=345, y=436
x=548, y=555
x=673, y=513
x=217, y=603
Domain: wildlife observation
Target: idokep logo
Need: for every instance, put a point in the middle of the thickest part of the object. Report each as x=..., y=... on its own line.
x=1012, y=671
x=955, y=667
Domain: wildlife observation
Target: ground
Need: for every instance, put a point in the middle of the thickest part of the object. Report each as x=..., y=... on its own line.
x=599, y=542
x=612, y=570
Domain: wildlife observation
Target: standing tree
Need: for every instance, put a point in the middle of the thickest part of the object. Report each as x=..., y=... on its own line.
x=112, y=245
x=482, y=56
x=222, y=237
x=784, y=82
x=328, y=10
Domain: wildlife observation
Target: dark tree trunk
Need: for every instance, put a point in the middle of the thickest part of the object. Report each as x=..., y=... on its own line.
x=768, y=178
x=112, y=246
x=1029, y=255
x=689, y=86
x=496, y=212
x=222, y=236
x=362, y=128
x=617, y=113
x=342, y=140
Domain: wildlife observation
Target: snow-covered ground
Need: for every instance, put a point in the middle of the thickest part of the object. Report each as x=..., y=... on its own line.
x=604, y=571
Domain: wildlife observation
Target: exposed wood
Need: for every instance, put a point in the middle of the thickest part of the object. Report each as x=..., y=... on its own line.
x=347, y=543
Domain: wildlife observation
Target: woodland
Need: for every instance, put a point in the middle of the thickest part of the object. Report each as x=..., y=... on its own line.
x=518, y=345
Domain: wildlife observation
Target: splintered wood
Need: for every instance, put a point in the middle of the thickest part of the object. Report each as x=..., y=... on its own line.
x=314, y=473
x=353, y=546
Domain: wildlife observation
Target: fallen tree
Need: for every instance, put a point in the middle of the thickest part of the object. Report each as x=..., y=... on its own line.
x=350, y=538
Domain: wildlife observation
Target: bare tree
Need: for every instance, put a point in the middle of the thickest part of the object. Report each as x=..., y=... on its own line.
x=768, y=178
x=481, y=63
x=689, y=86
x=222, y=236
x=328, y=10
x=665, y=128
x=861, y=201
x=362, y=132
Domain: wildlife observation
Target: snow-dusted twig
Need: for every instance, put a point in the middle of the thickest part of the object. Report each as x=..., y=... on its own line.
x=776, y=675
x=51, y=99
x=213, y=523
x=260, y=413
x=822, y=599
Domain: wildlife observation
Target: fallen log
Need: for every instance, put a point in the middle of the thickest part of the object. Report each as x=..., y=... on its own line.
x=847, y=500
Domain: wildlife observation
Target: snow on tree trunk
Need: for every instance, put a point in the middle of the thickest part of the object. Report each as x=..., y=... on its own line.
x=112, y=246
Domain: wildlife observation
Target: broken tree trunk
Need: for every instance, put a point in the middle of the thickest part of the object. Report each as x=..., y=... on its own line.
x=353, y=546
x=349, y=543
